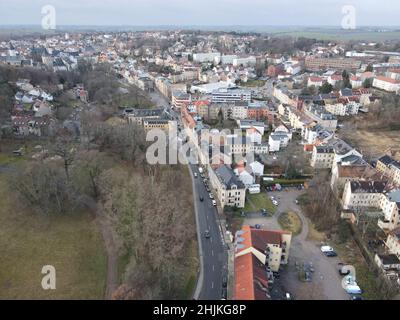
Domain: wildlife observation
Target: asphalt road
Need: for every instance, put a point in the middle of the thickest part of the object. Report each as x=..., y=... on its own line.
x=214, y=253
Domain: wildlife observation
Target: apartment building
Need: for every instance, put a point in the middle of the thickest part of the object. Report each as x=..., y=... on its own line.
x=343, y=109
x=390, y=168
x=317, y=64
x=271, y=248
x=150, y=124
x=393, y=242
x=139, y=115
x=180, y=99
x=229, y=189
x=362, y=194
x=390, y=205
x=230, y=95
x=205, y=57
x=386, y=84
x=322, y=157
x=319, y=114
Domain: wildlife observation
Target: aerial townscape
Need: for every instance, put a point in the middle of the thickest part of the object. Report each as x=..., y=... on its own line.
x=293, y=192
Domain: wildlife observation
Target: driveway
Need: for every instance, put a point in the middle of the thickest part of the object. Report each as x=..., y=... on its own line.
x=326, y=281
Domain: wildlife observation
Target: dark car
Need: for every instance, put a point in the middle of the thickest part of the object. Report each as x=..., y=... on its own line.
x=330, y=254
x=224, y=282
x=356, y=298
x=201, y=198
x=224, y=294
x=207, y=234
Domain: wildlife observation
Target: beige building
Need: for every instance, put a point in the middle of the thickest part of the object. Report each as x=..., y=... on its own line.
x=270, y=247
x=229, y=189
x=322, y=157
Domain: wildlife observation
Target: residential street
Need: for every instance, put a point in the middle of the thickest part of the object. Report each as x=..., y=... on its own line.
x=214, y=252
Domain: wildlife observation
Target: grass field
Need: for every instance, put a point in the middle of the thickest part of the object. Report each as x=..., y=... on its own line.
x=373, y=143
x=71, y=243
x=256, y=202
x=290, y=221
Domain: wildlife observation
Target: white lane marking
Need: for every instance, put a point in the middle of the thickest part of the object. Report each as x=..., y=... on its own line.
x=212, y=253
x=211, y=240
x=212, y=285
x=213, y=268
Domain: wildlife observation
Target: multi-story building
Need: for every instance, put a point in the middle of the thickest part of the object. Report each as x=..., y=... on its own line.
x=318, y=113
x=231, y=95
x=390, y=168
x=139, y=115
x=358, y=194
x=180, y=99
x=387, y=84
x=271, y=248
x=322, y=157
x=229, y=189
x=206, y=57
x=317, y=64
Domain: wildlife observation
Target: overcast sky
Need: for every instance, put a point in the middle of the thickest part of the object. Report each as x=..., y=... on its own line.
x=201, y=12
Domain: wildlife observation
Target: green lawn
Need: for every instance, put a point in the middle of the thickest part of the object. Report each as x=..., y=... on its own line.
x=258, y=202
x=290, y=221
x=71, y=243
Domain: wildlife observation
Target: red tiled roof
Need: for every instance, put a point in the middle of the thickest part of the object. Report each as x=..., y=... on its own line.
x=390, y=80
x=251, y=281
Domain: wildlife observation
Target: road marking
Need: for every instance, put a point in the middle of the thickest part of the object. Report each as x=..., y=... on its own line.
x=213, y=268
x=212, y=253
x=212, y=285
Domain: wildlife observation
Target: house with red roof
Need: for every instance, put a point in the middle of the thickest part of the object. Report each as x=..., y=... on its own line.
x=258, y=253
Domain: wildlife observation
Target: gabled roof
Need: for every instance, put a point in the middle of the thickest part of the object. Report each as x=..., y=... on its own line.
x=251, y=281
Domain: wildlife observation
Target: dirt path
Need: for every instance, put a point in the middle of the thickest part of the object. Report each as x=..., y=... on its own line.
x=112, y=280
x=112, y=256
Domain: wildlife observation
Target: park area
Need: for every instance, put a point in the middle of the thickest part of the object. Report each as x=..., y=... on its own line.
x=28, y=241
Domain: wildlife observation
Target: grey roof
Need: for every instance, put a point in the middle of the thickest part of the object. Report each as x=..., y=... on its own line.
x=341, y=147
x=228, y=177
x=368, y=186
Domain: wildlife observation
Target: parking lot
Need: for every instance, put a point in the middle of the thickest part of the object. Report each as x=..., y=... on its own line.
x=325, y=281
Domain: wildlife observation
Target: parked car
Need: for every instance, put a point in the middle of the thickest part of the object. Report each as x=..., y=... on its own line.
x=326, y=249
x=214, y=203
x=275, y=202
x=288, y=296
x=330, y=254
x=201, y=198
x=224, y=282
x=224, y=294
x=211, y=196
x=258, y=226
x=207, y=234
x=356, y=298
x=195, y=175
